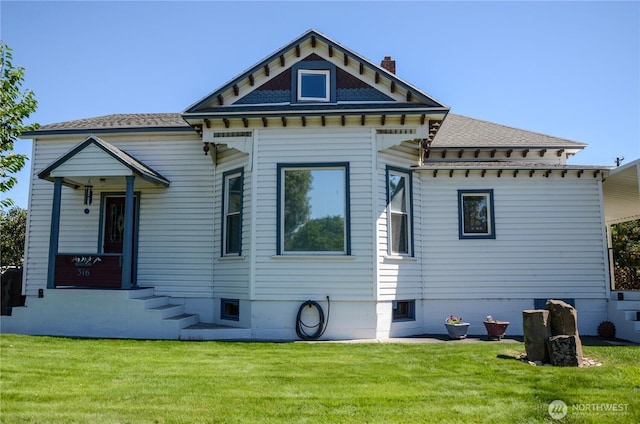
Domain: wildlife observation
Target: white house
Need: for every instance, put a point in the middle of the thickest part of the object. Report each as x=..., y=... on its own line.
x=316, y=175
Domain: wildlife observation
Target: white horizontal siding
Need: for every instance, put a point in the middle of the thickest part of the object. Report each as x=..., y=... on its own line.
x=176, y=224
x=398, y=278
x=293, y=278
x=91, y=160
x=232, y=275
x=549, y=240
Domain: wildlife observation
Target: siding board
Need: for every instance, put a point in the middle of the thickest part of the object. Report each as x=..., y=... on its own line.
x=175, y=222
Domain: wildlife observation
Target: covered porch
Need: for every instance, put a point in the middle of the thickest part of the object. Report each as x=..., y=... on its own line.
x=621, y=194
x=113, y=263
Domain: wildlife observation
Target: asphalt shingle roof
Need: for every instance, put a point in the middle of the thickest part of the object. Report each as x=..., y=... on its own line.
x=462, y=131
x=120, y=121
x=457, y=131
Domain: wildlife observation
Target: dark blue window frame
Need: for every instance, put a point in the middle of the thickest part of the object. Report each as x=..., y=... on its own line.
x=280, y=203
x=225, y=230
x=409, y=193
x=491, y=225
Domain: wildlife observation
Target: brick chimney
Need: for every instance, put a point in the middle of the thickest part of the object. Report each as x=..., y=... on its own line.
x=388, y=64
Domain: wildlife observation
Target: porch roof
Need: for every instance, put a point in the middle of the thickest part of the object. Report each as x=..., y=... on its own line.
x=79, y=164
x=621, y=193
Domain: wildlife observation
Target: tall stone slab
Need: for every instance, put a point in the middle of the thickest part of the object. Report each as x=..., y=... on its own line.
x=563, y=321
x=563, y=318
x=535, y=324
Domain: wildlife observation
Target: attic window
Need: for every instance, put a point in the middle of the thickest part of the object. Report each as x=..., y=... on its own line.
x=313, y=85
x=313, y=81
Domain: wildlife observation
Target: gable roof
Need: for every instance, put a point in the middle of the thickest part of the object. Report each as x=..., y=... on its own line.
x=125, y=165
x=389, y=92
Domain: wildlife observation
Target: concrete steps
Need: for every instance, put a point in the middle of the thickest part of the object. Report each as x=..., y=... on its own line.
x=136, y=314
x=202, y=331
x=624, y=312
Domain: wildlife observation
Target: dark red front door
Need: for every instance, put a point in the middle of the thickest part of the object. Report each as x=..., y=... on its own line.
x=114, y=224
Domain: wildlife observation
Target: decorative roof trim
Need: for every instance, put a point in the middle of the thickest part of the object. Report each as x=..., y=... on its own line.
x=333, y=46
x=514, y=169
x=315, y=112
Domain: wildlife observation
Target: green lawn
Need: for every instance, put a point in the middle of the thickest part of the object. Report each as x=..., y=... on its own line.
x=59, y=380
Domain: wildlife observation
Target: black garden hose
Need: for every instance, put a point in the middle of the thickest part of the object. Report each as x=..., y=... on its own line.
x=320, y=327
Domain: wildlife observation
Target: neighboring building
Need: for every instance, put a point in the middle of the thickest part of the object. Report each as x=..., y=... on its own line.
x=314, y=175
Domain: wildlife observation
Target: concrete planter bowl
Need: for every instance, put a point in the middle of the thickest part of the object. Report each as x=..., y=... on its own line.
x=457, y=331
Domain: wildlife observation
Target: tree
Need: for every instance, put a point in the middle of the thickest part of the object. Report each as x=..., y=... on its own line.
x=320, y=235
x=625, y=241
x=13, y=224
x=297, y=209
x=16, y=105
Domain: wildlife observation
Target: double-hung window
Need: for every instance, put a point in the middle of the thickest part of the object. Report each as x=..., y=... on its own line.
x=475, y=214
x=313, y=209
x=399, y=210
x=232, y=213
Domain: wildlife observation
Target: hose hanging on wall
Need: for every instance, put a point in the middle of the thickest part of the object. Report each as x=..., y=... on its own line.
x=320, y=327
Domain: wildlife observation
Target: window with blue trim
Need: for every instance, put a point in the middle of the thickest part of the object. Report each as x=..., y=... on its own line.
x=232, y=213
x=313, y=81
x=475, y=214
x=313, y=209
x=399, y=212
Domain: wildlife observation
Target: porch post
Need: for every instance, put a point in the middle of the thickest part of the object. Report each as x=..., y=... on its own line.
x=54, y=233
x=127, y=249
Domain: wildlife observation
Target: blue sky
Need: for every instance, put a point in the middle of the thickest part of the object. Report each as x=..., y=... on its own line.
x=567, y=69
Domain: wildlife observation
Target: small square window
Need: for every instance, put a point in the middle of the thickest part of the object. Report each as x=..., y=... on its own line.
x=404, y=310
x=313, y=85
x=230, y=309
x=475, y=214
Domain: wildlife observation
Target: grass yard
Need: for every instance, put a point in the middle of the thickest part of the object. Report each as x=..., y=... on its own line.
x=59, y=380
